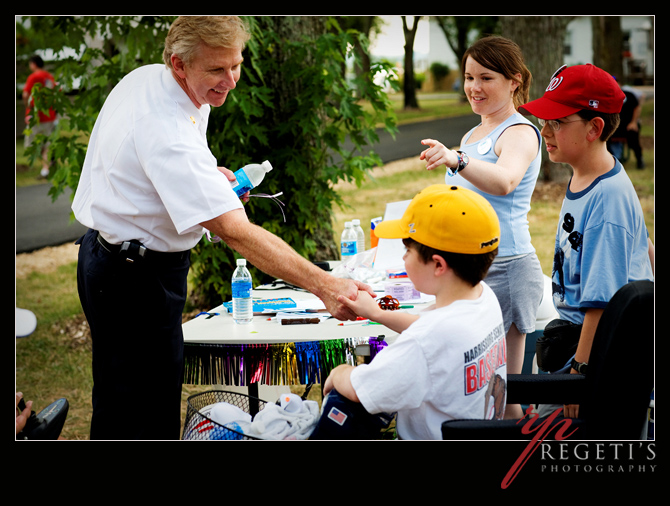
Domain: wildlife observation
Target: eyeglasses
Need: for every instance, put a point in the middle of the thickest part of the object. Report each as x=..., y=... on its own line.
x=554, y=124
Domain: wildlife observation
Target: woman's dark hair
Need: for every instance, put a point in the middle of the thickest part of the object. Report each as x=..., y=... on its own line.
x=470, y=268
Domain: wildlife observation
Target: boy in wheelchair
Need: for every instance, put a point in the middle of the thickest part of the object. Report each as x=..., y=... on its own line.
x=449, y=361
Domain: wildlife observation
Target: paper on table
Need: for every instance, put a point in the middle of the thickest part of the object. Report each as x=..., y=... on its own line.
x=310, y=304
x=391, y=251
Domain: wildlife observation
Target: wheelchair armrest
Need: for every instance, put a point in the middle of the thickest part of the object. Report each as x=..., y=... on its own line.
x=495, y=430
x=545, y=388
x=521, y=389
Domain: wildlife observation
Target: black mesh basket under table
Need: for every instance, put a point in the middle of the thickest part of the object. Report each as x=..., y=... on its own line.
x=198, y=426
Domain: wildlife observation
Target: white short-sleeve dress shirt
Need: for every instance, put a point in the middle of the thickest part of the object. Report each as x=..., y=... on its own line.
x=149, y=173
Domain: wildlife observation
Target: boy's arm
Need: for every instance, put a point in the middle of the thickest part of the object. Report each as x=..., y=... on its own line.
x=367, y=307
x=397, y=321
x=340, y=380
x=591, y=320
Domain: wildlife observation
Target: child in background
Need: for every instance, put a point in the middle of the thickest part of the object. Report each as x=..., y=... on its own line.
x=449, y=361
x=602, y=241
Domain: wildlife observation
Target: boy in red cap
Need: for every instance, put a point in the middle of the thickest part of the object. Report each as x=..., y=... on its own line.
x=450, y=360
x=602, y=241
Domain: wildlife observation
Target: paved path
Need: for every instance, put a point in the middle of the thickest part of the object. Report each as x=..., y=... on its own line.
x=41, y=222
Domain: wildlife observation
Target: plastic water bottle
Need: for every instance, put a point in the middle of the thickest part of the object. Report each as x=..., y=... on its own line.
x=348, y=242
x=360, y=235
x=250, y=176
x=243, y=311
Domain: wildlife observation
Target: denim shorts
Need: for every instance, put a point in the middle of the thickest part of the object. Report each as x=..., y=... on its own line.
x=518, y=283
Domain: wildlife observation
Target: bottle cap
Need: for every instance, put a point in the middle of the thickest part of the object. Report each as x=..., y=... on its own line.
x=355, y=222
x=241, y=261
x=267, y=166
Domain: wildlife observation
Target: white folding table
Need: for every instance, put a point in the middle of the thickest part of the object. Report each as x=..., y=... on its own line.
x=219, y=351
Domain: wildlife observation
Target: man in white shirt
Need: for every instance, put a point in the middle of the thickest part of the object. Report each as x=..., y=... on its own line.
x=148, y=189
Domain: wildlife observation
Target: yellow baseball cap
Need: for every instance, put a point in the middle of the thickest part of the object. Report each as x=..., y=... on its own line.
x=448, y=218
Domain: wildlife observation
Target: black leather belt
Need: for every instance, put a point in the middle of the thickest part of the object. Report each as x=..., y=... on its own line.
x=135, y=250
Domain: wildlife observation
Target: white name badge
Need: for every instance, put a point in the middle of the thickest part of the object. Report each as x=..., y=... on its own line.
x=484, y=146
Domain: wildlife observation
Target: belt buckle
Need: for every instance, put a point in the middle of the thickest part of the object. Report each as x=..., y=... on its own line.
x=126, y=247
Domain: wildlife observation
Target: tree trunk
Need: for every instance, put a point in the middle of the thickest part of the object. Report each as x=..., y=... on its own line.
x=297, y=28
x=364, y=25
x=409, y=83
x=543, y=54
x=608, y=44
x=289, y=28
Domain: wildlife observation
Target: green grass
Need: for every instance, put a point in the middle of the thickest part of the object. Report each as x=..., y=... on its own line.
x=51, y=363
x=26, y=174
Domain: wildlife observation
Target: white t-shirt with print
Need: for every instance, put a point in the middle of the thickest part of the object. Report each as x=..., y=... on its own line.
x=451, y=363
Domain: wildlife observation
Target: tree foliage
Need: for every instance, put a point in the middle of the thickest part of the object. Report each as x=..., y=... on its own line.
x=90, y=55
x=293, y=106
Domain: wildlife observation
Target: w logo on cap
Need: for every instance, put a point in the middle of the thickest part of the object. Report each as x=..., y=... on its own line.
x=555, y=80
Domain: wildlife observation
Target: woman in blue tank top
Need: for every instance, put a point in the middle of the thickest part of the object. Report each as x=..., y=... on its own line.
x=500, y=159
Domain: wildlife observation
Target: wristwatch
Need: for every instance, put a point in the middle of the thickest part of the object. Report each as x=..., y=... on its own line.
x=463, y=161
x=580, y=367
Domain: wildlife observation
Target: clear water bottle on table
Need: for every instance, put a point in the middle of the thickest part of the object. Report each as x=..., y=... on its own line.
x=360, y=235
x=243, y=311
x=348, y=246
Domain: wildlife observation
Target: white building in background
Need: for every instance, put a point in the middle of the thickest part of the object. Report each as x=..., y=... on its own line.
x=638, y=32
x=431, y=46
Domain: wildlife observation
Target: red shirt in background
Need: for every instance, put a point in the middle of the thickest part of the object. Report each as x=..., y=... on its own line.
x=46, y=80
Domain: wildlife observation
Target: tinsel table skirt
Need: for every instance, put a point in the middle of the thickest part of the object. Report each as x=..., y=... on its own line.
x=293, y=363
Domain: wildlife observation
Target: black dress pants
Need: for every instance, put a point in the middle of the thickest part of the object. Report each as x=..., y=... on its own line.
x=134, y=312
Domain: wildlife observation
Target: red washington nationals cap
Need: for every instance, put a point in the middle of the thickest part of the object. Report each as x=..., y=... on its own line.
x=572, y=89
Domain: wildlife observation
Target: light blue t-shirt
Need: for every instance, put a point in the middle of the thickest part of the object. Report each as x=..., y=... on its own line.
x=512, y=209
x=601, y=245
